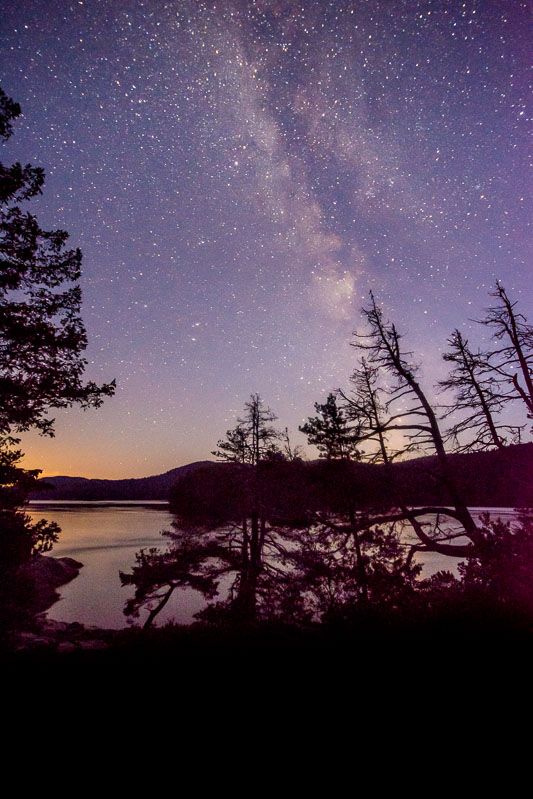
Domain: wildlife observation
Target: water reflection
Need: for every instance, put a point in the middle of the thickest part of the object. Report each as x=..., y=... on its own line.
x=105, y=537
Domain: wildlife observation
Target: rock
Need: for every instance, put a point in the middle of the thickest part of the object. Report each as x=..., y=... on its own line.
x=46, y=575
x=51, y=627
x=75, y=628
x=27, y=640
x=67, y=646
x=93, y=644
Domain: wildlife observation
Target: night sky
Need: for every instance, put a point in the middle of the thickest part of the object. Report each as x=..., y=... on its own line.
x=240, y=175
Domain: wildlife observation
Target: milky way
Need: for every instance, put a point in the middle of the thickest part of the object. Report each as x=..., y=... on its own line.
x=240, y=175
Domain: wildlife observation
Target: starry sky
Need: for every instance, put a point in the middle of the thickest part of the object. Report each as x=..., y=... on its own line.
x=240, y=174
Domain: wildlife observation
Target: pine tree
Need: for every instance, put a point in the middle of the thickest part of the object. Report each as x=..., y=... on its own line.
x=330, y=431
x=42, y=338
x=253, y=439
x=42, y=335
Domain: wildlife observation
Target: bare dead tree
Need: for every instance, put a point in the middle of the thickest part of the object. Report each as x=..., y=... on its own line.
x=366, y=409
x=512, y=360
x=400, y=404
x=479, y=393
x=289, y=450
x=252, y=439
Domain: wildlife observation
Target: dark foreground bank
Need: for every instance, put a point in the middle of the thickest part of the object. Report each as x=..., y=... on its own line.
x=362, y=644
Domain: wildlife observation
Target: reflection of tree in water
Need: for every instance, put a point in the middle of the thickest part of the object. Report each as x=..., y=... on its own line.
x=232, y=519
x=258, y=526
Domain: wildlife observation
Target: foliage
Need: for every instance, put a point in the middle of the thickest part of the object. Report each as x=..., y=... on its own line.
x=327, y=578
x=42, y=334
x=20, y=538
x=233, y=522
x=330, y=431
x=42, y=338
x=158, y=573
x=309, y=568
x=234, y=500
x=503, y=569
x=253, y=438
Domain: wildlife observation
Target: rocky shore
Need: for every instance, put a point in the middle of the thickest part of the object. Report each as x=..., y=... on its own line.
x=46, y=574
x=60, y=636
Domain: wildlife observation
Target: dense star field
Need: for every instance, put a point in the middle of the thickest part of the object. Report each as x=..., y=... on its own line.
x=240, y=174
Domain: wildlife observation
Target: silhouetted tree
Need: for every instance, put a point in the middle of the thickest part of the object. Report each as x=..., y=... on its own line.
x=512, y=360
x=330, y=432
x=365, y=407
x=42, y=338
x=233, y=529
x=289, y=451
x=252, y=439
x=231, y=519
x=328, y=577
x=336, y=440
x=503, y=568
x=42, y=335
x=479, y=393
x=251, y=442
x=399, y=405
x=389, y=398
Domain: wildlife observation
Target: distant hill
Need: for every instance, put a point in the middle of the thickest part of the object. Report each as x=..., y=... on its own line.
x=496, y=478
x=493, y=479
x=143, y=488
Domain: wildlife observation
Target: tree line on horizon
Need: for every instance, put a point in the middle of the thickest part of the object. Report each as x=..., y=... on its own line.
x=491, y=478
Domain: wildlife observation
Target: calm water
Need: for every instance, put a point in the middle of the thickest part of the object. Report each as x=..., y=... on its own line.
x=105, y=538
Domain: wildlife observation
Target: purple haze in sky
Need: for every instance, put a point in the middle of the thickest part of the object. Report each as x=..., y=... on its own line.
x=240, y=175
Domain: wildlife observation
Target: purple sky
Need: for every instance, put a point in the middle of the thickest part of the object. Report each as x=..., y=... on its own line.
x=240, y=175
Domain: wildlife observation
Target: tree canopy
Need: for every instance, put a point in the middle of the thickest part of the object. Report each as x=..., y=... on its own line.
x=42, y=335
x=330, y=431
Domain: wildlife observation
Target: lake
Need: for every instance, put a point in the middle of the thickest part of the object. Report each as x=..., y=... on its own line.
x=105, y=536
